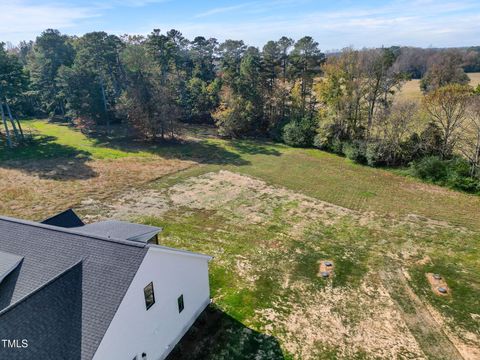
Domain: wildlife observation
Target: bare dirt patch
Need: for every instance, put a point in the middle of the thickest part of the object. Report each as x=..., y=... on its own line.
x=467, y=343
x=351, y=320
x=249, y=201
x=325, y=268
x=425, y=260
x=253, y=201
x=438, y=283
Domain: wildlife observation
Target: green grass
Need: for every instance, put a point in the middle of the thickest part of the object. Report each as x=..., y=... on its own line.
x=356, y=248
x=313, y=172
x=59, y=140
x=457, y=258
x=55, y=140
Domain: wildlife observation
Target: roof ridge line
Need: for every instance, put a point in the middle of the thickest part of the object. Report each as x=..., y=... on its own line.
x=73, y=232
x=30, y=294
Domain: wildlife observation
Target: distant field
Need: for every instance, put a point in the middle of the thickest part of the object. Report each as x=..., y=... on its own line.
x=411, y=90
x=268, y=214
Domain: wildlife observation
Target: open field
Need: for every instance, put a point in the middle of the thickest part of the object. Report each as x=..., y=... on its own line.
x=270, y=214
x=411, y=90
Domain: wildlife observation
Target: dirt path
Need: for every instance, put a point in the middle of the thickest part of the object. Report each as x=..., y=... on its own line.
x=428, y=332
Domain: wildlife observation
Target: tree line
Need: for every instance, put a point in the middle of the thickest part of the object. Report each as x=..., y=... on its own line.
x=154, y=82
x=361, y=116
x=288, y=90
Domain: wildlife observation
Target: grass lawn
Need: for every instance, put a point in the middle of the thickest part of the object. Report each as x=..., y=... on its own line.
x=268, y=214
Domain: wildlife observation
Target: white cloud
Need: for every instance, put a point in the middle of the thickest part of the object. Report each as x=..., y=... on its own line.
x=23, y=19
x=402, y=22
x=26, y=19
x=225, y=9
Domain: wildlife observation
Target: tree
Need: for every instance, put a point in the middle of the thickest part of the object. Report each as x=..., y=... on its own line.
x=380, y=81
x=284, y=45
x=235, y=116
x=342, y=93
x=201, y=96
x=447, y=108
x=168, y=51
x=445, y=68
x=13, y=83
x=231, y=53
x=94, y=82
x=306, y=59
x=202, y=99
x=202, y=53
x=271, y=73
x=242, y=105
x=395, y=128
x=469, y=144
x=148, y=102
x=51, y=51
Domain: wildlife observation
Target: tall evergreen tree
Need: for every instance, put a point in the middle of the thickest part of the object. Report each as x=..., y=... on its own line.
x=51, y=51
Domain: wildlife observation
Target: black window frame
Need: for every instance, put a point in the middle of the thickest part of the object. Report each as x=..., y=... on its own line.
x=180, y=303
x=145, y=289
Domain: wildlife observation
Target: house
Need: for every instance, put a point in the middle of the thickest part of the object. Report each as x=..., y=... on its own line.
x=100, y=291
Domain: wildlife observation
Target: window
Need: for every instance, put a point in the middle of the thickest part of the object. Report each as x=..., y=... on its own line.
x=149, y=295
x=181, y=306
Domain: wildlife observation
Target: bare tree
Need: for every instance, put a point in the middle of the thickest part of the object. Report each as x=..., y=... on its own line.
x=395, y=127
x=447, y=108
x=380, y=81
x=469, y=144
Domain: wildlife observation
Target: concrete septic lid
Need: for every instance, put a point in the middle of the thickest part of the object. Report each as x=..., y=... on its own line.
x=442, y=290
x=437, y=276
x=325, y=274
x=328, y=263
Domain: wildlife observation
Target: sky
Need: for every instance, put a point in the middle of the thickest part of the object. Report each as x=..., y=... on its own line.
x=334, y=24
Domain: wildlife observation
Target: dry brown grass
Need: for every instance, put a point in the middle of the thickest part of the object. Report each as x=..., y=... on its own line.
x=411, y=89
x=36, y=189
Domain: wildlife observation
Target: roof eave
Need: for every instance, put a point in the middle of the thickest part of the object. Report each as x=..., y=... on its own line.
x=166, y=249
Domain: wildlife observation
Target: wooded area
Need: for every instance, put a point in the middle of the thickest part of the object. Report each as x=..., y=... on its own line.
x=288, y=90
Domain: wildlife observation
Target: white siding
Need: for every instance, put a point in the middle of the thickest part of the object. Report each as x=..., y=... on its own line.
x=156, y=331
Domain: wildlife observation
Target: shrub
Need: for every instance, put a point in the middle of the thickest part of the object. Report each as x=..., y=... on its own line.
x=430, y=168
x=355, y=151
x=453, y=173
x=330, y=137
x=337, y=146
x=459, y=176
x=375, y=154
x=320, y=141
x=430, y=141
x=299, y=133
x=235, y=118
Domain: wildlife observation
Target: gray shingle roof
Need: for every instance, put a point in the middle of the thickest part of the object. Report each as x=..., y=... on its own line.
x=49, y=255
x=8, y=262
x=53, y=331
x=120, y=230
x=66, y=219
